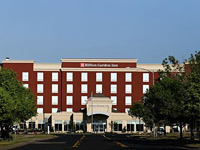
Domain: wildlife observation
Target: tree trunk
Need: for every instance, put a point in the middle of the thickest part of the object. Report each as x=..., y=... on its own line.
x=164, y=130
x=1, y=130
x=181, y=131
x=191, y=130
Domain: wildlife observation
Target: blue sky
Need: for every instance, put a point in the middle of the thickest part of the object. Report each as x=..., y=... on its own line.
x=149, y=30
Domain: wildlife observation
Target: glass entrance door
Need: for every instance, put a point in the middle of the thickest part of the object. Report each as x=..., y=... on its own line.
x=99, y=127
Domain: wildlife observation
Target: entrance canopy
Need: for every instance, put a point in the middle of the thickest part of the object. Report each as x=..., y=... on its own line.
x=99, y=104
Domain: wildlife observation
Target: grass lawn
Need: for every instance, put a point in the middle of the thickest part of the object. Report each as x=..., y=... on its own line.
x=171, y=139
x=24, y=138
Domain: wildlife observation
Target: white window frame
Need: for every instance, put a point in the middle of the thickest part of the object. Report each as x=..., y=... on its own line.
x=128, y=77
x=40, y=110
x=54, y=110
x=40, y=88
x=54, y=100
x=69, y=109
x=69, y=100
x=84, y=88
x=99, y=88
x=40, y=100
x=40, y=76
x=113, y=77
x=99, y=77
x=128, y=100
x=54, y=76
x=145, y=87
x=114, y=100
x=26, y=86
x=145, y=77
x=54, y=88
x=84, y=100
x=128, y=88
x=127, y=110
x=84, y=76
x=69, y=88
x=25, y=76
x=69, y=76
x=113, y=88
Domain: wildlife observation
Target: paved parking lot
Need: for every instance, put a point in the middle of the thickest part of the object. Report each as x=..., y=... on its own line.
x=87, y=142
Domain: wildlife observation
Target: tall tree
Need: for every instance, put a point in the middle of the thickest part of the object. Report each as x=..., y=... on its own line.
x=192, y=103
x=20, y=99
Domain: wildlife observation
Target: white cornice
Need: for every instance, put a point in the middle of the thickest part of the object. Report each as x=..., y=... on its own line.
x=101, y=60
x=18, y=61
x=107, y=69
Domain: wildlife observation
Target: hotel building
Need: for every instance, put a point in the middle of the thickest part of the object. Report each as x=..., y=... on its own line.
x=94, y=94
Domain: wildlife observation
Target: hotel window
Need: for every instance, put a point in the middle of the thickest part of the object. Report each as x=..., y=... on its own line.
x=69, y=110
x=145, y=77
x=25, y=76
x=84, y=76
x=69, y=100
x=54, y=88
x=54, y=110
x=130, y=126
x=128, y=89
x=69, y=76
x=99, y=88
x=128, y=100
x=98, y=77
x=69, y=88
x=40, y=88
x=54, y=100
x=58, y=125
x=40, y=76
x=114, y=99
x=145, y=88
x=67, y=125
x=83, y=100
x=84, y=88
x=113, y=77
x=113, y=88
x=25, y=85
x=127, y=110
x=39, y=100
x=128, y=77
x=118, y=125
x=39, y=110
x=54, y=76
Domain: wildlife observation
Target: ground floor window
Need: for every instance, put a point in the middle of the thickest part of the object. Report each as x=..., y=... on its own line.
x=23, y=125
x=130, y=127
x=79, y=126
x=40, y=125
x=58, y=125
x=66, y=126
x=117, y=126
x=139, y=127
x=31, y=125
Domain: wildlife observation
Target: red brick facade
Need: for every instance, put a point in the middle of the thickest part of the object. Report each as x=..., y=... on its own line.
x=77, y=66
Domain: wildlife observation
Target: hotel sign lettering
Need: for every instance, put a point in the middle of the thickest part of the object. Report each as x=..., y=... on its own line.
x=98, y=105
x=98, y=65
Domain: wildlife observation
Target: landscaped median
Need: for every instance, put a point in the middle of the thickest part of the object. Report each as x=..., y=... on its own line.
x=171, y=139
x=24, y=138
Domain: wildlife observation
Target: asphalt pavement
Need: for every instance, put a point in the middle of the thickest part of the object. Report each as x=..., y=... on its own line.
x=91, y=142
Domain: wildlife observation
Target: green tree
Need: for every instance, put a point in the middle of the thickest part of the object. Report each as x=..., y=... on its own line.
x=164, y=101
x=192, y=103
x=21, y=100
x=137, y=110
x=6, y=111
